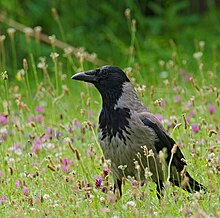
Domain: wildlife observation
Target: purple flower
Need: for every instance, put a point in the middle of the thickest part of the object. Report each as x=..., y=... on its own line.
x=177, y=99
x=3, y=120
x=192, y=113
x=195, y=128
x=31, y=119
x=187, y=77
x=25, y=191
x=39, y=109
x=16, y=145
x=17, y=184
x=39, y=118
x=66, y=163
x=159, y=117
x=3, y=199
x=106, y=170
x=211, y=109
x=36, y=146
x=98, y=182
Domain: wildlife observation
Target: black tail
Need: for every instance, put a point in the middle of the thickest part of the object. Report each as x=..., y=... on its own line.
x=189, y=184
x=193, y=185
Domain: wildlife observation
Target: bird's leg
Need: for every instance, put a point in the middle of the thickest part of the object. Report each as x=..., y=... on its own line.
x=117, y=187
x=160, y=187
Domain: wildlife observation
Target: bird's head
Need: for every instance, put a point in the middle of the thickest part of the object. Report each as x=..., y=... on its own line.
x=106, y=78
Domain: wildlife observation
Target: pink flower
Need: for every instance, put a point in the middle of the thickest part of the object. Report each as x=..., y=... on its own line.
x=25, y=191
x=36, y=146
x=16, y=145
x=177, y=99
x=17, y=184
x=192, y=113
x=98, y=181
x=39, y=118
x=159, y=117
x=3, y=120
x=187, y=77
x=1, y=173
x=195, y=128
x=106, y=170
x=66, y=163
x=39, y=109
x=3, y=199
x=211, y=109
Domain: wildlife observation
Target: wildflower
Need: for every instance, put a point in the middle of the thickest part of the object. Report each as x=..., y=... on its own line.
x=46, y=196
x=37, y=32
x=38, y=29
x=42, y=64
x=66, y=163
x=3, y=120
x=16, y=145
x=11, y=32
x=195, y=128
x=17, y=183
x=102, y=199
x=3, y=199
x=159, y=117
x=25, y=64
x=2, y=38
x=211, y=109
x=98, y=182
x=122, y=167
x=39, y=109
x=36, y=146
x=177, y=99
x=201, y=45
x=39, y=118
x=106, y=170
x=25, y=191
x=20, y=75
x=147, y=173
x=151, y=153
x=187, y=77
x=197, y=55
x=4, y=75
x=192, y=113
x=54, y=56
x=131, y=204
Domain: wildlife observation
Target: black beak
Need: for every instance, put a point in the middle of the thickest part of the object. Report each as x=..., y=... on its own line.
x=89, y=76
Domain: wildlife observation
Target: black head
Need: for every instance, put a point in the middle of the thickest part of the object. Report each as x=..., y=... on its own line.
x=105, y=78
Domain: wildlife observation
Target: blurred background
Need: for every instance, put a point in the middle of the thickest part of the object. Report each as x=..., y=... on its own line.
x=118, y=32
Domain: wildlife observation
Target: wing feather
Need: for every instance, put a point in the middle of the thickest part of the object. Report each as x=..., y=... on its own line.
x=164, y=140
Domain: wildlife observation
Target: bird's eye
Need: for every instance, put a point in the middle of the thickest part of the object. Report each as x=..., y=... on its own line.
x=104, y=73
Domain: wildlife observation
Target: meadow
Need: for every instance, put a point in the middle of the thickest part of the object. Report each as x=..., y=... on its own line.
x=51, y=162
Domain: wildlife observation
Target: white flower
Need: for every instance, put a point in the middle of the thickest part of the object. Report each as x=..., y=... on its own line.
x=54, y=56
x=197, y=55
x=131, y=204
x=122, y=167
x=102, y=199
x=46, y=196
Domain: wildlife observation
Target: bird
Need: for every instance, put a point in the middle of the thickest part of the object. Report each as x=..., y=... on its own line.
x=129, y=132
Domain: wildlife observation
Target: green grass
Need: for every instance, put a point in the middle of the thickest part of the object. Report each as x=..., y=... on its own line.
x=51, y=163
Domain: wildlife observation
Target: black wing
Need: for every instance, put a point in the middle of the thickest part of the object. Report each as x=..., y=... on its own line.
x=165, y=141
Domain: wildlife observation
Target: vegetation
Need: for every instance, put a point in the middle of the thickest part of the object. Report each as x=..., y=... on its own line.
x=51, y=163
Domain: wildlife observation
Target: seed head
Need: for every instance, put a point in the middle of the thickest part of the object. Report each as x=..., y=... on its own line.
x=11, y=32
x=25, y=64
x=4, y=75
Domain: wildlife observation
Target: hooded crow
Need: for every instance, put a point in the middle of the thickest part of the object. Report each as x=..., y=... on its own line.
x=128, y=131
